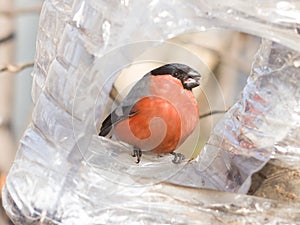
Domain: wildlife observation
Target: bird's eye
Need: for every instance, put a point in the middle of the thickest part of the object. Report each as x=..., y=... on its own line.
x=175, y=74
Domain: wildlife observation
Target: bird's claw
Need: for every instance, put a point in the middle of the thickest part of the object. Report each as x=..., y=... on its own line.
x=137, y=153
x=178, y=157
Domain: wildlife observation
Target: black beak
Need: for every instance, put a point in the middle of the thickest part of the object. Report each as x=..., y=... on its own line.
x=192, y=79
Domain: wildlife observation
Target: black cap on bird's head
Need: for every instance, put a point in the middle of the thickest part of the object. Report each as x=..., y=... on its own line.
x=188, y=76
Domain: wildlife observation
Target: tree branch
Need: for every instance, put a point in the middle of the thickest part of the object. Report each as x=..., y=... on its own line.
x=7, y=38
x=16, y=68
x=212, y=113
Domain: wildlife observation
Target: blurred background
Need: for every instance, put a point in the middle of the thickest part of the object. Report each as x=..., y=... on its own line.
x=227, y=55
x=19, y=24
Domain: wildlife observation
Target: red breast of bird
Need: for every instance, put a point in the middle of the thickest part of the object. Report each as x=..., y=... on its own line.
x=163, y=116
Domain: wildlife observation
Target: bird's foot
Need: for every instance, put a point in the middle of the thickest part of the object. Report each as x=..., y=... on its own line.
x=137, y=153
x=178, y=157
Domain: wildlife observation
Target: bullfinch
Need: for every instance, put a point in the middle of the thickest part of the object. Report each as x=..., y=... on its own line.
x=159, y=112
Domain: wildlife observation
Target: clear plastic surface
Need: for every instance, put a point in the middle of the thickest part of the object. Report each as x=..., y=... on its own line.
x=64, y=173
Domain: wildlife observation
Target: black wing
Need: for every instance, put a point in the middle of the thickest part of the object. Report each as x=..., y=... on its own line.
x=126, y=108
x=106, y=126
x=113, y=118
